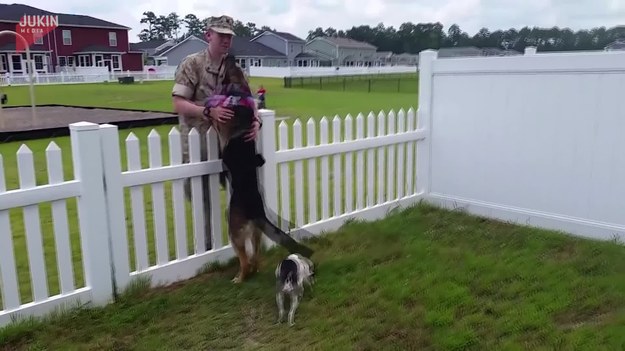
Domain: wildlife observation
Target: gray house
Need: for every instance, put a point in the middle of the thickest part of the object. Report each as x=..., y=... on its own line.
x=342, y=51
x=152, y=48
x=288, y=45
x=173, y=55
x=249, y=53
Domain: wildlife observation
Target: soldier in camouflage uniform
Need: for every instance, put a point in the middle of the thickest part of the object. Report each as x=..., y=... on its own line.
x=197, y=77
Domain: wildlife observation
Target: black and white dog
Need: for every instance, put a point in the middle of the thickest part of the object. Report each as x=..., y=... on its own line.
x=291, y=275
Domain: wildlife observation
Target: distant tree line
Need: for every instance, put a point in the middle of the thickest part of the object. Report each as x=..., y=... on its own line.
x=409, y=37
x=171, y=27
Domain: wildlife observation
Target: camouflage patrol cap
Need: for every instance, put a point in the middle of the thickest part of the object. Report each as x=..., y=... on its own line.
x=221, y=24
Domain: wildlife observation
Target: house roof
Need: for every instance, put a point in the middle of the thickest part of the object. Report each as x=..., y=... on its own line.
x=33, y=47
x=163, y=50
x=167, y=49
x=150, y=44
x=284, y=35
x=12, y=13
x=242, y=46
x=348, y=43
x=307, y=54
x=288, y=36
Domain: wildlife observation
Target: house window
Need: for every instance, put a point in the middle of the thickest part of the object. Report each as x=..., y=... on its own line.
x=38, y=38
x=84, y=61
x=62, y=61
x=67, y=37
x=38, y=62
x=70, y=61
x=16, y=61
x=3, y=63
x=112, y=39
x=116, y=62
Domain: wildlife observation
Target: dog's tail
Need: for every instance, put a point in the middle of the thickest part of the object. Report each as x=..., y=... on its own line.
x=281, y=238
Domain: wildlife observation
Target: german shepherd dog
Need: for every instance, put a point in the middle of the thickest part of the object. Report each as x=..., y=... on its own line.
x=247, y=219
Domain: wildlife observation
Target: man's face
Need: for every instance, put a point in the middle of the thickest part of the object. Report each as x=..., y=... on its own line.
x=219, y=42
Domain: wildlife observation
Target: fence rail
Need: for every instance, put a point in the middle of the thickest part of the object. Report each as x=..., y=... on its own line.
x=135, y=220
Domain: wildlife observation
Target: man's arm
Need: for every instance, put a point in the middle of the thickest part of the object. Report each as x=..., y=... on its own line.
x=185, y=107
x=185, y=83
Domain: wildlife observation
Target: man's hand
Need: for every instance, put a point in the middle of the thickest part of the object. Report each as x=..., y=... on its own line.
x=221, y=114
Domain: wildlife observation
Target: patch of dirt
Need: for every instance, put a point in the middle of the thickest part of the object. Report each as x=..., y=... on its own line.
x=17, y=119
x=573, y=319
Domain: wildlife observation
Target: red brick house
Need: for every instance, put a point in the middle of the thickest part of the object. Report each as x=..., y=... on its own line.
x=78, y=41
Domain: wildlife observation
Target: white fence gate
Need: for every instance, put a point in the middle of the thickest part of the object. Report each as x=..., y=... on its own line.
x=116, y=250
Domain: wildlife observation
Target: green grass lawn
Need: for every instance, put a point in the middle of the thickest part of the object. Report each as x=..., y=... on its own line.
x=421, y=279
x=156, y=95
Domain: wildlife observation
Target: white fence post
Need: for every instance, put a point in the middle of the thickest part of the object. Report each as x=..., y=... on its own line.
x=115, y=210
x=92, y=211
x=424, y=120
x=269, y=176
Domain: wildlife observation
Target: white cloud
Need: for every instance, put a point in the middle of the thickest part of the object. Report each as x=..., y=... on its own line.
x=300, y=16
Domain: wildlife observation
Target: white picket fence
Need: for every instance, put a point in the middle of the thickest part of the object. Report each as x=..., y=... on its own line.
x=84, y=77
x=163, y=238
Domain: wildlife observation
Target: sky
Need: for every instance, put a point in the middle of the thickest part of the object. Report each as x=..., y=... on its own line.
x=300, y=16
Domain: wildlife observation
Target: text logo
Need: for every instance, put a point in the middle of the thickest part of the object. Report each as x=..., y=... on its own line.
x=34, y=28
